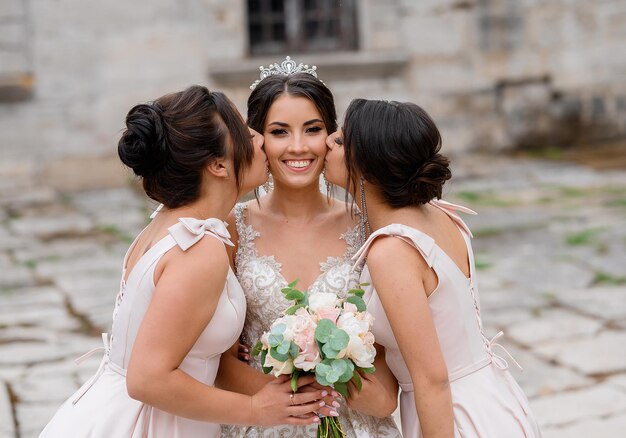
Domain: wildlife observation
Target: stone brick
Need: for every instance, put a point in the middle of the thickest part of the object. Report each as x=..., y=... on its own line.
x=599, y=354
x=566, y=408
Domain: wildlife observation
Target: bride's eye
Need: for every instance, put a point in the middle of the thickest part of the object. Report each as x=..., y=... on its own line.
x=278, y=132
x=338, y=141
x=314, y=129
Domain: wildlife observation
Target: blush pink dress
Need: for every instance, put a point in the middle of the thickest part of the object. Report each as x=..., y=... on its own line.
x=102, y=408
x=487, y=401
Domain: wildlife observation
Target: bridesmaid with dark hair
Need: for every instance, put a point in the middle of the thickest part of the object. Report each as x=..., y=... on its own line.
x=423, y=292
x=180, y=306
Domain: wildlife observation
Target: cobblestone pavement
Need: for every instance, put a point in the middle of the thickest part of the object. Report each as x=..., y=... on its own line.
x=550, y=246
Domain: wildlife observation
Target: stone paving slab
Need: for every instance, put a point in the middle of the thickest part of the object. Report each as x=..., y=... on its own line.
x=566, y=408
x=605, y=427
x=50, y=226
x=607, y=302
x=540, y=377
x=599, y=354
x=553, y=325
x=7, y=425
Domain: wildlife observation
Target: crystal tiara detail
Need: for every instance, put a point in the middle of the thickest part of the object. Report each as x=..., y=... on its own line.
x=285, y=68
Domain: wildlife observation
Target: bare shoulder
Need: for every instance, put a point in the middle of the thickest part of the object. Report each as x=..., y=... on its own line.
x=339, y=213
x=206, y=261
x=389, y=253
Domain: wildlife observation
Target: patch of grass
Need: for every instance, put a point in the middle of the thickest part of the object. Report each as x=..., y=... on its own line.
x=572, y=192
x=606, y=278
x=536, y=312
x=113, y=230
x=32, y=264
x=484, y=198
x=488, y=232
x=616, y=203
x=482, y=265
x=548, y=153
x=580, y=238
x=549, y=295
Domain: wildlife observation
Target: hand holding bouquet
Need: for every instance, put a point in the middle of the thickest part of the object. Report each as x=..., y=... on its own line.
x=321, y=334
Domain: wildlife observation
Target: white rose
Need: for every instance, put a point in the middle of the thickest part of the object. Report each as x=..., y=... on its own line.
x=278, y=367
x=361, y=345
x=320, y=300
x=361, y=351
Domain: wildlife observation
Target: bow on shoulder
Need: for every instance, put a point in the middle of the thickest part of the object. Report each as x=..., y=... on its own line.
x=189, y=230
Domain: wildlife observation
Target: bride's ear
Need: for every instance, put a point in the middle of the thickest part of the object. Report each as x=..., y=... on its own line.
x=220, y=168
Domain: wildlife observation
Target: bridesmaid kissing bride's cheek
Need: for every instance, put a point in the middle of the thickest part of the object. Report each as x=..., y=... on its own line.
x=423, y=293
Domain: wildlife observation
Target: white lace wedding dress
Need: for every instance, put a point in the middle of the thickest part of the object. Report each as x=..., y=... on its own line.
x=261, y=279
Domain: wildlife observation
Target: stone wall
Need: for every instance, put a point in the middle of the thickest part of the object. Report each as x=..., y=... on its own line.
x=494, y=73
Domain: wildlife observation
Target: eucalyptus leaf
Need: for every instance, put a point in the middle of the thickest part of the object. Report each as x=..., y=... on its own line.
x=293, y=283
x=266, y=370
x=358, y=302
x=369, y=370
x=256, y=350
x=357, y=292
x=275, y=339
x=279, y=328
x=339, y=339
x=349, y=371
x=324, y=330
x=356, y=379
x=294, y=294
x=284, y=346
x=293, y=309
x=281, y=357
x=294, y=350
x=341, y=388
x=329, y=352
x=294, y=380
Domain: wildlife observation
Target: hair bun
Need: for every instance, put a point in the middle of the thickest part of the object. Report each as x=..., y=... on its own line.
x=142, y=146
x=427, y=183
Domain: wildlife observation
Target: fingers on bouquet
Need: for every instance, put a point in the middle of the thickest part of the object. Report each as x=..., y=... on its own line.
x=324, y=335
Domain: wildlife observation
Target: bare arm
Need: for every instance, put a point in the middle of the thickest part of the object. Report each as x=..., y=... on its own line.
x=379, y=392
x=181, y=307
x=397, y=271
x=235, y=375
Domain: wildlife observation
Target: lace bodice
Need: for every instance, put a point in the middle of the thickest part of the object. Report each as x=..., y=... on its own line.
x=261, y=278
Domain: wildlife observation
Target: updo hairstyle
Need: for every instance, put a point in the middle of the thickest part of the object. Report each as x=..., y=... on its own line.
x=169, y=142
x=297, y=84
x=394, y=146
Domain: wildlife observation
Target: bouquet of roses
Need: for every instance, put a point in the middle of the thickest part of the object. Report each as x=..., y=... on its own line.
x=321, y=334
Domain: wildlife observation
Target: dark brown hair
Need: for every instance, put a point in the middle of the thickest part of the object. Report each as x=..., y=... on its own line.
x=394, y=146
x=298, y=84
x=169, y=142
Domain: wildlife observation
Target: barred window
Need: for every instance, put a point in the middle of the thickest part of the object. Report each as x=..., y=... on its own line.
x=301, y=26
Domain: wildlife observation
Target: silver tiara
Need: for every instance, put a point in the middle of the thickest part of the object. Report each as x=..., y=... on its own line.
x=285, y=68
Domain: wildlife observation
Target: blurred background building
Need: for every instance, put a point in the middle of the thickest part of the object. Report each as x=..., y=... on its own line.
x=496, y=74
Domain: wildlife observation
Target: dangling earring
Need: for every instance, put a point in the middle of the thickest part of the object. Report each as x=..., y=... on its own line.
x=328, y=185
x=366, y=230
x=268, y=185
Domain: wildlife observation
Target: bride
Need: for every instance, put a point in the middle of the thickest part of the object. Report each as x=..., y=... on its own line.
x=296, y=232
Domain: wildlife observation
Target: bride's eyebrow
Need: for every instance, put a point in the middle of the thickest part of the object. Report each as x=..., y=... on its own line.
x=310, y=122
x=281, y=124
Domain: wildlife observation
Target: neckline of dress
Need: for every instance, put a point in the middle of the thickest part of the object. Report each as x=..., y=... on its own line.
x=324, y=266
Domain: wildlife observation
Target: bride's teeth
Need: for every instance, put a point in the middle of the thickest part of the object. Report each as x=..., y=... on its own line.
x=298, y=164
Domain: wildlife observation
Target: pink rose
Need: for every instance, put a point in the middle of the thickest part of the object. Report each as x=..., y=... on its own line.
x=331, y=313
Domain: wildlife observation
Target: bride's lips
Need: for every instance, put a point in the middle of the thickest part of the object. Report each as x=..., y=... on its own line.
x=299, y=165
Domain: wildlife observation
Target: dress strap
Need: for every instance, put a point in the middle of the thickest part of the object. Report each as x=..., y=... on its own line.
x=188, y=231
x=451, y=210
x=421, y=241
